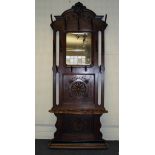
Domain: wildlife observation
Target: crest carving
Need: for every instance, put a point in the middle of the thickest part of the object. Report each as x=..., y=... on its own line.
x=78, y=8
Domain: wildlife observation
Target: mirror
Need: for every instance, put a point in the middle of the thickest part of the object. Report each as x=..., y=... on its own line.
x=78, y=48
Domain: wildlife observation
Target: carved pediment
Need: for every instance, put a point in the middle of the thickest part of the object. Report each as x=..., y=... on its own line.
x=78, y=18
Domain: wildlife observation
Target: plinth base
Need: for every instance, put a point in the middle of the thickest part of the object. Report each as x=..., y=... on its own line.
x=77, y=145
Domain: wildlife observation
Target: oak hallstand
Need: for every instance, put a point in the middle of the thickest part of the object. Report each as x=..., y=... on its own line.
x=78, y=111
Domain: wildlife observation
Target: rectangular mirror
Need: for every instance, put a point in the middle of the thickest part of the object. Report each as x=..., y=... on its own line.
x=78, y=48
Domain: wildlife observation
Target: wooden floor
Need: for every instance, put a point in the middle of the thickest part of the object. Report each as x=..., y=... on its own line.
x=41, y=148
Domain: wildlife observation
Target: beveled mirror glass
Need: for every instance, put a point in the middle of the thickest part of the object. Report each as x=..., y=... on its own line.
x=78, y=48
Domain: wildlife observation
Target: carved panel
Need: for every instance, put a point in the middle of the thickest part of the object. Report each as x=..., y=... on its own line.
x=78, y=124
x=78, y=88
x=72, y=21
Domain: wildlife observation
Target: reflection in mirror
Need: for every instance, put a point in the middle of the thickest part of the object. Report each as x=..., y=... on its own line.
x=78, y=48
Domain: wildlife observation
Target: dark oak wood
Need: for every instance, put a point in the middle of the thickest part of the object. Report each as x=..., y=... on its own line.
x=82, y=110
x=78, y=113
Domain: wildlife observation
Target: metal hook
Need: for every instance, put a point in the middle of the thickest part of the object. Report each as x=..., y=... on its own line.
x=100, y=68
x=56, y=68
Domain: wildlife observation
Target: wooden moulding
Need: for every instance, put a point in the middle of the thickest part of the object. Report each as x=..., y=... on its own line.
x=78, y=145
x=71, y=110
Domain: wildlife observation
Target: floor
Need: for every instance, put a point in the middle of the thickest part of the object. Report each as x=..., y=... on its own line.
x=41, y=148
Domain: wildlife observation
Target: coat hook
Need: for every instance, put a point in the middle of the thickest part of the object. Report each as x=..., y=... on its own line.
x=105, y=18
x=51, y=18
x=100, y=68
x=56, y=68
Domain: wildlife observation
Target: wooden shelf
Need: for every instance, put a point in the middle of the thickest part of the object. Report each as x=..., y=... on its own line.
x=80, y=110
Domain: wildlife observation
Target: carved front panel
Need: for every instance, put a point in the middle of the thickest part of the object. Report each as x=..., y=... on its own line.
x=78, y=89
x=78, y=124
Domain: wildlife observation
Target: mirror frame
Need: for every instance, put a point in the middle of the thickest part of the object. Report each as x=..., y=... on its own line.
x=92, y=51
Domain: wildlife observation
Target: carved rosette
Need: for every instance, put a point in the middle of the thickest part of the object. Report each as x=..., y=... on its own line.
x=78, y=88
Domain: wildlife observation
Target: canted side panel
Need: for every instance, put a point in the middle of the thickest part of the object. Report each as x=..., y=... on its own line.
x=78, y=89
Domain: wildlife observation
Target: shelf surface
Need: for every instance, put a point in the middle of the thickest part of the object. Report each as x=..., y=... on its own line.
x=70, y=109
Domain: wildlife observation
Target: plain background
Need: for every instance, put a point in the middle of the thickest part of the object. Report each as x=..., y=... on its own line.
x=136, y=77
x=45, y=121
